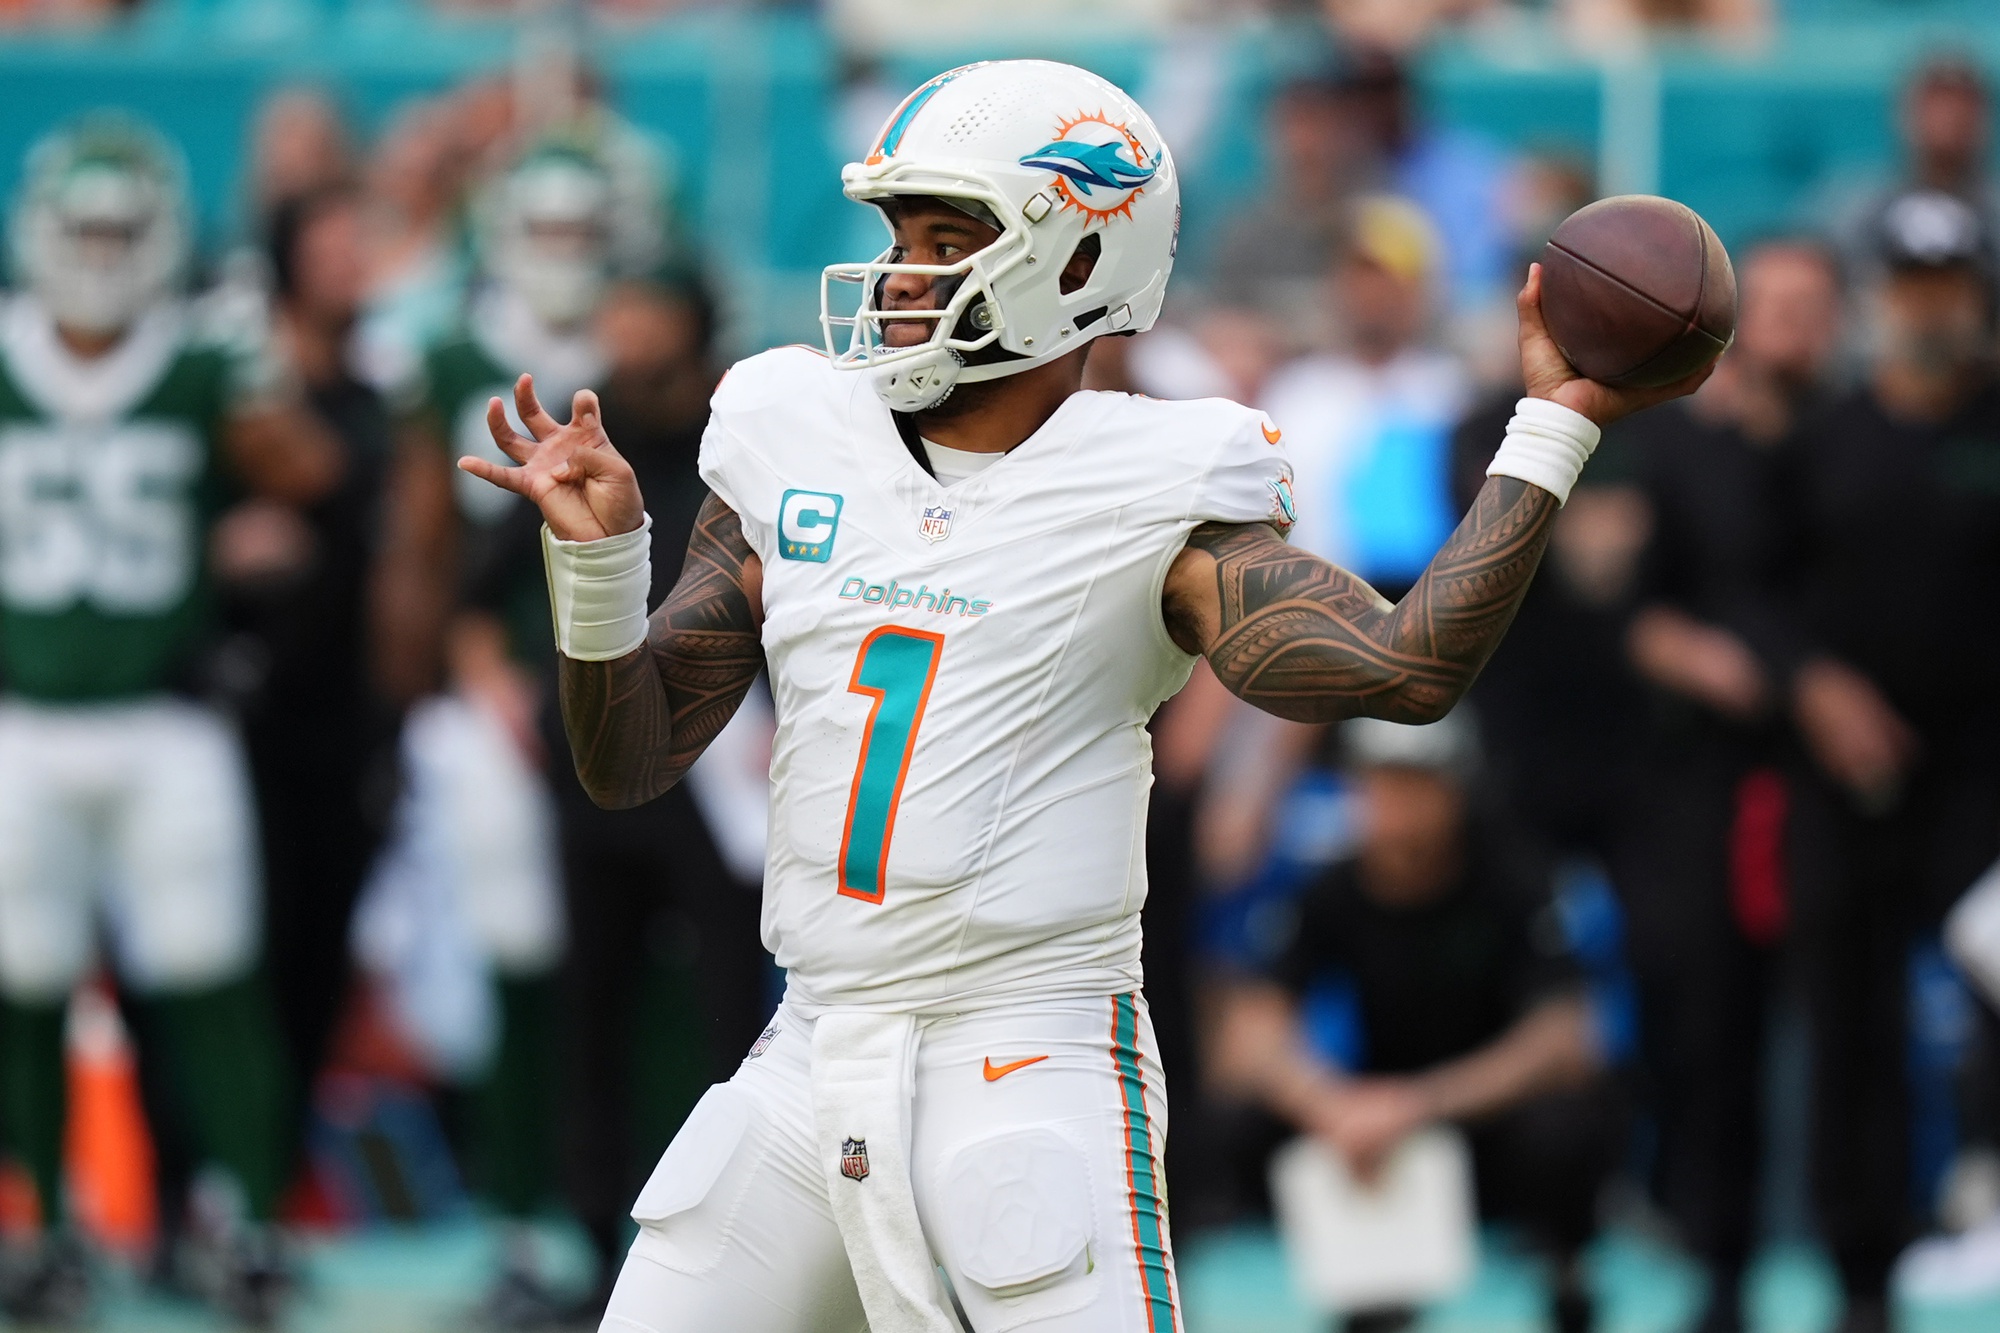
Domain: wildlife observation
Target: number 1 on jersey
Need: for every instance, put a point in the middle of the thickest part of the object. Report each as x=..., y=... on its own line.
x=895, y=668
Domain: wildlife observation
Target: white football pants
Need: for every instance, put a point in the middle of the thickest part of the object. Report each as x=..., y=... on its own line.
x=1037, y=1131
x=141, y=810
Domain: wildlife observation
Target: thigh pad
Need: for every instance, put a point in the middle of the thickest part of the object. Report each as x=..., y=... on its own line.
x=1019, y=1212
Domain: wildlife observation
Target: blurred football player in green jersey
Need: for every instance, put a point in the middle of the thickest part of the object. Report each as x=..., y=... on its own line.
x=553, y=232
x=124, y=808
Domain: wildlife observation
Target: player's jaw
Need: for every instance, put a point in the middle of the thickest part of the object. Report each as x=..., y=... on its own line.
x=927, y=231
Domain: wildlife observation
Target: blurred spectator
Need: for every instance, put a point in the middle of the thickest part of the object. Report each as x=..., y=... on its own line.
x=1599, y=24
x=922, y=26
x=1275, y=256
x=1558, y=707
x=1398, y=25
x=1445, y=947
x=1458, y=179
x=1701, y=864
x=1367, y=425
x=300, y=145
x=318, y=741
x=415, y=179
x=1946, y=127
x=662, y=900
x=62, y=13
x=1543, y=188
x=1892, y=531
x=1226, y=352
x=1357, y=130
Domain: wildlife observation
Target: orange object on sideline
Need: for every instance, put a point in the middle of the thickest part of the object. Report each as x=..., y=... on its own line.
x=20, y=1210
x=108, y=1148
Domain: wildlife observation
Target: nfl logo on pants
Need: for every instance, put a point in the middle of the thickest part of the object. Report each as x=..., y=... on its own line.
x=854, y=1158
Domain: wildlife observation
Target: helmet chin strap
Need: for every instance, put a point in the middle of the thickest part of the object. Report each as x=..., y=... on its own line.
x=920, y=383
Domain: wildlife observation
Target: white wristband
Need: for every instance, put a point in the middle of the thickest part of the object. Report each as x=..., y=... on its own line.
x=598, y=592
x=1547, y=445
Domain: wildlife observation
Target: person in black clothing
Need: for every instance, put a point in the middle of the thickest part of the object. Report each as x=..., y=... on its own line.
x=319, y=742
x=666, y=983
x=1557, y=706
x=1892, y=508
x=1700, y=865
x=1470, y=1006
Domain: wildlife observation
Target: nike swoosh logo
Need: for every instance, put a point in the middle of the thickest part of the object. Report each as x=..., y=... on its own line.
x=1272, y=434
x=996, y=1072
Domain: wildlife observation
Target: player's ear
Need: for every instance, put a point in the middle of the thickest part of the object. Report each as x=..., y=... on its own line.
x=1082, y=263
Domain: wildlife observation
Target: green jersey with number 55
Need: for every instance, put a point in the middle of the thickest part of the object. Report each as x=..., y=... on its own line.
x=109, y=481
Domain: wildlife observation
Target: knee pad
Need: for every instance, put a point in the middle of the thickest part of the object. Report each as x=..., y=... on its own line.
x=1019, y=1216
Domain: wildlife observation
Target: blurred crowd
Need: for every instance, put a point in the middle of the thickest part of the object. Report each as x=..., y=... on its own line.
x=276, y=663
x=1727, y=777
x=1397, y=25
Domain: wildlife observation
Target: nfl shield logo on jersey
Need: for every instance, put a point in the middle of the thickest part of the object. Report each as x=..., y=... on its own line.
x=854, y=1158
x=936, y=525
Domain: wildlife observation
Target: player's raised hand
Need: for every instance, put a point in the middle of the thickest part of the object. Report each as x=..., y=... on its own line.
x=1548, y=374
x=584, y=489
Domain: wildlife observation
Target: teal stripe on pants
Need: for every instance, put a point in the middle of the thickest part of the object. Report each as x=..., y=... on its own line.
x=1149, y=1231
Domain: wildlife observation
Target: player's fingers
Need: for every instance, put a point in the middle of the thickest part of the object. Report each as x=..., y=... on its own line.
x=506, y=478
x=539, y=423
x=511, y=443
x=1528, y=302
x=579, y=461
x=585, y=412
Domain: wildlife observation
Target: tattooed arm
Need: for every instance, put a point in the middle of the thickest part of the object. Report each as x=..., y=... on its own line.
x=1306, y=640
x=636, y=723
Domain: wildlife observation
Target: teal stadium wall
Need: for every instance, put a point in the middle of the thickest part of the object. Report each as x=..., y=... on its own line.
x=747, y=102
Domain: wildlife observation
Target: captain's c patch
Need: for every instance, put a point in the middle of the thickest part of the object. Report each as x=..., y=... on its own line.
x=807, y=522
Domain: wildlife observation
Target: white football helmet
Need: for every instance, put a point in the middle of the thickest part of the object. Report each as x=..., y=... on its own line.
x=559, y=226
x=1051, y=154
x=101, y=227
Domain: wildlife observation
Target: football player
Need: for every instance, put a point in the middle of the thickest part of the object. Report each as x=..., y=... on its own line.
x=123, y=797
x=553, y=232
x=973, y=583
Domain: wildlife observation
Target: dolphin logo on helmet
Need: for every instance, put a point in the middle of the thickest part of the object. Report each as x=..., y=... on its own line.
x=1094, y=164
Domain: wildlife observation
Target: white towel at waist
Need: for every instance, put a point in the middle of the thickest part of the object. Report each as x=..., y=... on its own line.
x=863, y=1081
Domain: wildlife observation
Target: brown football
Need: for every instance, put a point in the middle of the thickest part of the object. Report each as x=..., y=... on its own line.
x=1637, y=291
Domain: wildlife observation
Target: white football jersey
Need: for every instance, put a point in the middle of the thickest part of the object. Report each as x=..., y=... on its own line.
x=963, y=676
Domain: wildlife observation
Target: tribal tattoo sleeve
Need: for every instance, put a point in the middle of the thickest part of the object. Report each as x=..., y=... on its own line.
x=637, y=723
x=1306, y=640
